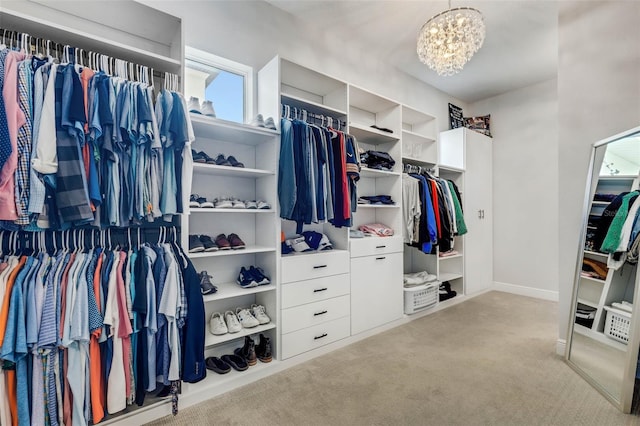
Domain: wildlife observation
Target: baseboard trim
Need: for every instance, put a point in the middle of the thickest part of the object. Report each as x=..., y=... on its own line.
x=538, y=293
x=561, y=347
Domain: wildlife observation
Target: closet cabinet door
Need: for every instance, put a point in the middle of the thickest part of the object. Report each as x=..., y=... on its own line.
x=478, y=201
x=376, y=291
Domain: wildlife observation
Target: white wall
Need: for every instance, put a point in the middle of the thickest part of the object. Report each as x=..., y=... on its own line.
x=253, y=32
x=525, y=191
x=598, y=96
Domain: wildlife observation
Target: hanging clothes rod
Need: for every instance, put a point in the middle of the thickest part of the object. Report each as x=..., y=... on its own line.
x=38, y=46
x=304, y=115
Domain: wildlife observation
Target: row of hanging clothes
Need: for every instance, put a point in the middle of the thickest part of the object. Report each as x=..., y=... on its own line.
x=92, y=322
x=617, y=231
x=85, y=140
x=318, y=169
x=432, y=210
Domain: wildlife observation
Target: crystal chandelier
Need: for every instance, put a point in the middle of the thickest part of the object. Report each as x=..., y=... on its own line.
x=448, y=40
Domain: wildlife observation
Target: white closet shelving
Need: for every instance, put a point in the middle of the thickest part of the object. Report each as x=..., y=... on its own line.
x=319, y=314
x=376, y=262
x=257, y=149
x=463, y=157
x=619, y=285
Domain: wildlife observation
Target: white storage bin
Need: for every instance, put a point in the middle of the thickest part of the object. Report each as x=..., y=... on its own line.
x=617, y=324
x=420, y=297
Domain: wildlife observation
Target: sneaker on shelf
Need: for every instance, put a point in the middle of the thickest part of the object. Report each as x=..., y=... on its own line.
x=259, y=276
x=259, y=313
x=223, y=203
x=217, y=326
x=204, y=203
x=238, y=204
x=221, y=160
x=258, y=121
x=269, y=123
x=193, y=200
x=263, y=205
x=233, y=325
x=251, y=204
x=246, y=318
x=197, y=157
x=222, y=242
x=247, y=351
x=235, y=163
x=208, y=243
x=194, y=105
x=206, y=286
x=203, y=155
x=195, y=245
x=263, y=349
x=207, y=109
x=235, y=242
x=246, y=279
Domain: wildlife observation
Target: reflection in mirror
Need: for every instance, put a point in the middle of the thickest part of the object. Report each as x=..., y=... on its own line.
x=603, y=334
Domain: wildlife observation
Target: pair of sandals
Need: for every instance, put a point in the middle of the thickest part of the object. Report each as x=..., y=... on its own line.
x=225, y=363
x=220, y=160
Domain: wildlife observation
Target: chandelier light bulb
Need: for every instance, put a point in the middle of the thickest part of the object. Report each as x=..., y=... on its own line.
x=448, y=40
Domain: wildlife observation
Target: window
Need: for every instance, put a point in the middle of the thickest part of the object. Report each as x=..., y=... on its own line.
x=227, y=84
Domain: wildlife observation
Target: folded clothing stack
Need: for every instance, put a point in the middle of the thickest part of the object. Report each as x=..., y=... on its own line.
x=308, y=241
x=376, y=229
x=377, y=160
x=585, y=315
x=418, y=278
x=594, y=269
x=376, y=199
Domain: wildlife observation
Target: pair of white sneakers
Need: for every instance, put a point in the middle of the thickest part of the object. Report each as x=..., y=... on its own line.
x=234, y=322
x=206, y=108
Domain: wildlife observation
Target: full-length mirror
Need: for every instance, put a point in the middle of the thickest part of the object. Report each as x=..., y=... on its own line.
x=604, y=331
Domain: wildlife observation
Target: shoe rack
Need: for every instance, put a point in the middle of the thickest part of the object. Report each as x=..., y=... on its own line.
x=256, y=148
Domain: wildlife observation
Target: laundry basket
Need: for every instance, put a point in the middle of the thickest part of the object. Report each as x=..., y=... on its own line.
x=617, y=324
x=420, y=297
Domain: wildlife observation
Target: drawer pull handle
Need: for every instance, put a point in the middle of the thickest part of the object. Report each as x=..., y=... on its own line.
x=319, y=266
x=319, y=313
x=320, y=336
x=380, y=246
x=317, y=290
x=381, y=258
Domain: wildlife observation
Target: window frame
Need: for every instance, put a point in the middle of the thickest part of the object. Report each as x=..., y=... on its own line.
x=209, y=59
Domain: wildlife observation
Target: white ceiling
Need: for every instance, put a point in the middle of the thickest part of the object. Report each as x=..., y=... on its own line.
x=520, y=48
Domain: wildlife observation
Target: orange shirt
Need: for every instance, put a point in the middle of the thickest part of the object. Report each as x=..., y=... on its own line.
x=95, y=365
x=4, y=310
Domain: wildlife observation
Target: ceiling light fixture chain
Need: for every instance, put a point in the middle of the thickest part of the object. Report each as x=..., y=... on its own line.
x=448, y=40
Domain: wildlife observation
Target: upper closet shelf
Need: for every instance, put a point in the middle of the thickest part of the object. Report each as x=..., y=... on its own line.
x=369, y=135
x=408, y=135
x=229, y=131
x=418, y=162
x=375, y=173
x=450, y=169
x=213, y=169
x=311, y=106
x=91, y=34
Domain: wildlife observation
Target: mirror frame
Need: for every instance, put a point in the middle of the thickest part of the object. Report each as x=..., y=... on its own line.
x=628, y=379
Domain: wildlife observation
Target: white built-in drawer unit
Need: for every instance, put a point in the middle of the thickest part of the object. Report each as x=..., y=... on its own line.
x=370, y=246
x=302, y=292
x=376, y=291
x=315, y=336
x=314, y=265
x=304, y=316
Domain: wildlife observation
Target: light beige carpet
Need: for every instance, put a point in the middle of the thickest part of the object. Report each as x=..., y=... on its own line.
x=488, y=361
